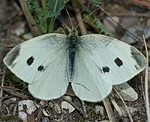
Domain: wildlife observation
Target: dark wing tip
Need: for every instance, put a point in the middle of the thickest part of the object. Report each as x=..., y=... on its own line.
x=12, y=55
x=138, y=57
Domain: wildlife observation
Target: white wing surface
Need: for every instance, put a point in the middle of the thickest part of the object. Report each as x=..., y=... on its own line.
x=42, y=62
x=101, y=62
x=87, y=84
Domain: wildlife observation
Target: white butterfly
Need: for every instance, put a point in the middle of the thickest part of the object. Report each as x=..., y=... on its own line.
x=92, y=64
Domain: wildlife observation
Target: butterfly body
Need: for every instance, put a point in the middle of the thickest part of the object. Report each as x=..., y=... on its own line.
x=72, y=44
x=91, y=63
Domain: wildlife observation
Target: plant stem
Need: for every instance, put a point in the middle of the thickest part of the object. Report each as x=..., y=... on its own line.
x=29, y=18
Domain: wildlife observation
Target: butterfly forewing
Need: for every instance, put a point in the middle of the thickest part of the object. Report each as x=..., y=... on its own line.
x=43, y=62
x=116, y=61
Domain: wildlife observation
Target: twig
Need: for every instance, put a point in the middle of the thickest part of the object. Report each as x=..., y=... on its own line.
x=147, y=95
x=15, y=110
x=142, y=2
x=109, y=110
x=39, y=114
x=84, y=108
x=29, y=18
x=146, y=85
x=126, y=107
x=14, y=92
x=1, y=73
x=2, y=84
x=114, y=103
x=131, y=34
x=131, y=14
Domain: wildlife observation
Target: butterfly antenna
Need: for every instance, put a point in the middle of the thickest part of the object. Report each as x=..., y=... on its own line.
x=69, y=17
x=85, y=18
x=131, y=34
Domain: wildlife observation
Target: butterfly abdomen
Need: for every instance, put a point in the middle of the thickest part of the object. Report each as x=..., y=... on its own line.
x=72, y=42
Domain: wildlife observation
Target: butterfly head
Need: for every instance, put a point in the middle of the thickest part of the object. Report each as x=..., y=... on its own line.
x=73, y=35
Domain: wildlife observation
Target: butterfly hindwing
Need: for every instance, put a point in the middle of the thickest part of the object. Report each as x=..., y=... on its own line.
x=42, y=62
x=87, y=83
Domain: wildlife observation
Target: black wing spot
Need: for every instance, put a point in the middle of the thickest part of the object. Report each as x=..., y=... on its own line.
x=118, y=62
x=40, y=68
x=30, y=60
x=136, y=67
x=105, y=69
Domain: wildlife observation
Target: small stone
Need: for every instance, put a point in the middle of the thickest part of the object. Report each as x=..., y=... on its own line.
x=27, y=36
x=105, y=121
x=50, y=104
x=42, y=102
x=57, y=108
x=68, y=98
x=148, y=22
x=99, y=109
x=13, y=99
x=20, y=29
x=66, y=105
x=46, y=113
x=45, y=119
x=27, y=106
